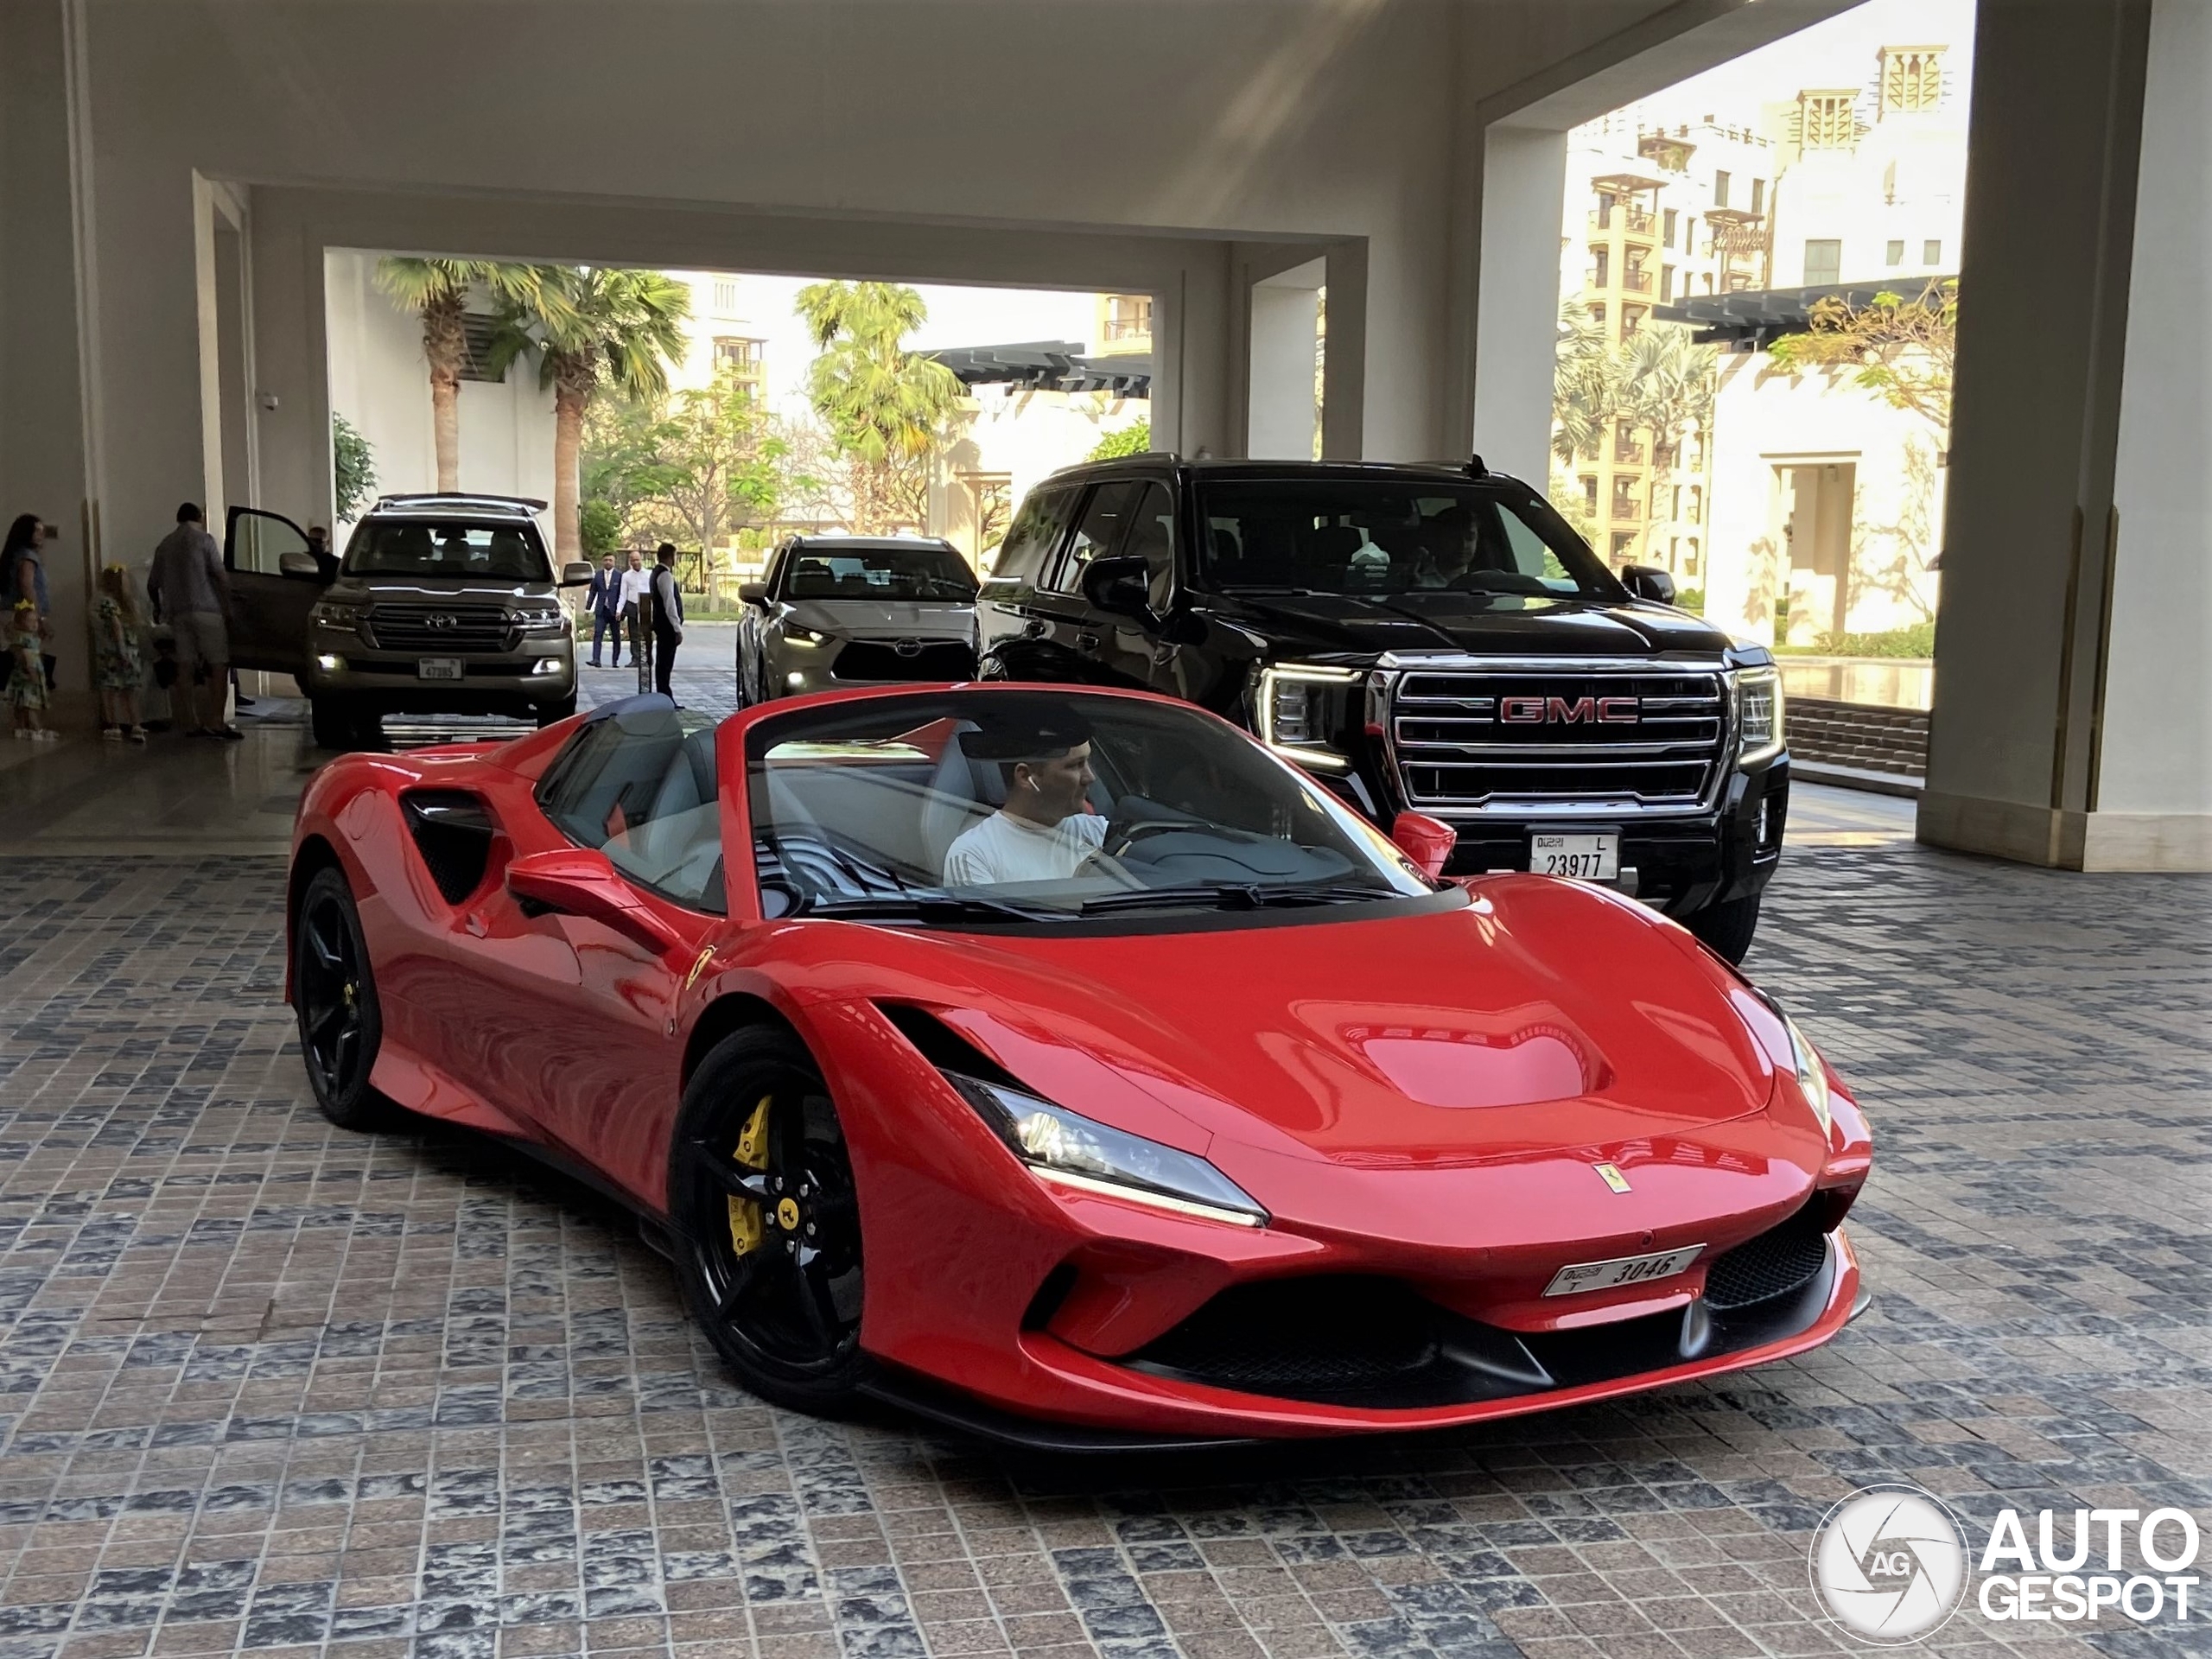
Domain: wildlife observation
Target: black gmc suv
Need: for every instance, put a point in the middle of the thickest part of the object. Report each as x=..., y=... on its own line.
x=1421, y=638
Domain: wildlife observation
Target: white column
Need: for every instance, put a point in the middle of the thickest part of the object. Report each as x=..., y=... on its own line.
x=1516, y=330
x=2150, y=802
x=1283, y=410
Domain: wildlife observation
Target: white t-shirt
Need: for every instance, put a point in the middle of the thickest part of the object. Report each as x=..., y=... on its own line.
x=1004, y=849
x=635, y=582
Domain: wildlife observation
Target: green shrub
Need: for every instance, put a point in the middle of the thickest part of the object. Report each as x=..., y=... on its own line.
x=1691, y=598
x=1134, y=439
x=1918, y=640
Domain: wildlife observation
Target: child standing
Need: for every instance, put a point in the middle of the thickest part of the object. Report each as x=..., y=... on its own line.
x=26, y=683
x=121, y=663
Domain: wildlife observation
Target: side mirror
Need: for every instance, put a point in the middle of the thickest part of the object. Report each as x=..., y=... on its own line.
x=1122, y=587
x=576, y=881
x=576, y=574
x=1646, y=582
x=752, y=593
x=299, y=564
x=1427, y=842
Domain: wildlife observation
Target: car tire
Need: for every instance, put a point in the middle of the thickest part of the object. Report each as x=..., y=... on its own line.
x=551, y=714
x=767, y=1222
x=334, y=997
x=1726, y=929
x=332, y=724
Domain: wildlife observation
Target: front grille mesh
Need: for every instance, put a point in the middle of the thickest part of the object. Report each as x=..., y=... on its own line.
x=1779, y=1260
x=1494, y=740
x=440, y=628
x=1295, y=1337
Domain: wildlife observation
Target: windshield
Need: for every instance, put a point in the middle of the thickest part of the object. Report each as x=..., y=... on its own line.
x=1028, y=805
x=1381, y=536
x=879, y=573
x=457, y=551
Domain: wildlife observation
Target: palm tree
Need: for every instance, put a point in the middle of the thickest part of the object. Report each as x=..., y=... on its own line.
x=1585, y=385
x=591, y=326
x=886, y=407
x=436, y=290
x=1667, y=383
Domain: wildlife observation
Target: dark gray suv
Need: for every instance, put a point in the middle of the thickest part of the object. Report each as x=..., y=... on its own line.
x=442, y=604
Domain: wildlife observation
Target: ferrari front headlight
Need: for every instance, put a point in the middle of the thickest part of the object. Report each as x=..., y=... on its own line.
x=1072, y=1149
x=1811, y=1074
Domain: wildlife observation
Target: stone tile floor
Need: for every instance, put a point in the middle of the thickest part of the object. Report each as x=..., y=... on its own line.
x=265, y=1386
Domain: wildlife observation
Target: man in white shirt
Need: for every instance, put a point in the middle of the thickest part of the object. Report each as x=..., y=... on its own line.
x=1044, y=832
x=636, y=581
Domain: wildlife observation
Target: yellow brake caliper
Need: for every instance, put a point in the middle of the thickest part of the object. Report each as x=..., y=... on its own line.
x=751, y=1153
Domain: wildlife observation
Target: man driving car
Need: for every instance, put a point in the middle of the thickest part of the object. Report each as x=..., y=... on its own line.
x=1044, y=832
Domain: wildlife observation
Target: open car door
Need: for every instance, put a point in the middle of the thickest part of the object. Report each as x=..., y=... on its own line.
x=274, y=584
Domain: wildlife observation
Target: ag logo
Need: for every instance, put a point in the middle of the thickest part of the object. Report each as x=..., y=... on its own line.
x=1890, y=1564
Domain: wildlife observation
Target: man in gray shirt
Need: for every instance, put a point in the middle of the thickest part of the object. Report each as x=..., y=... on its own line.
x=191, y=592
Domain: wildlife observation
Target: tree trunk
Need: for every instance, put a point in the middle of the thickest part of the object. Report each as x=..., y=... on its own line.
x=444, y=345
x=569, y=402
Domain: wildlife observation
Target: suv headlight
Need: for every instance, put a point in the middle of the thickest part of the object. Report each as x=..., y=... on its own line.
x=798, y=635
x=1759, y=715
x=546, y=619
x=326, y=615
x=1077, y=1151
x=1299, y=707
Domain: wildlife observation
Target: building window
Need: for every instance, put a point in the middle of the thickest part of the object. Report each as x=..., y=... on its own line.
x=1721, y=189
x=1758, y=196
x=1666, y=281
x=1633, y=276
x=1677, y=500
x=1605, y=208
x=1598, y=314
x=478, y=331
x=726, y=296
x=1129, y=316
x=1689, y=556
x=1894, y=255
x=1697, y=504
x=1624, y=546
x=1667, y=221
x=1912, y=78
x=1931, y=251
x=1827, y=120
x=740, y=357
x=1824, y=263
x=1601, y=272
x=1632, y=320
x=1589, y=494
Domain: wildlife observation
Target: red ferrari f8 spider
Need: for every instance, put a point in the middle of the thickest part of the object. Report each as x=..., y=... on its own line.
x=1064, y=1064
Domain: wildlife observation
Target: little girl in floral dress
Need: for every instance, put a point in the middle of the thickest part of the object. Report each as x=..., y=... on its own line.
x=121, y=665
x=27, y=680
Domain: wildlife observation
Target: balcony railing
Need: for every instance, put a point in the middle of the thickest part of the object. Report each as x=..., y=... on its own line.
x=1637, y=282
x=1628, y=452
x=1634, y=221
x=1128, y=327
x=1626, y=510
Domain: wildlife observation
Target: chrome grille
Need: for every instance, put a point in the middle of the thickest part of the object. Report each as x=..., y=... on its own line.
x=1558, y=739
x=457, y=629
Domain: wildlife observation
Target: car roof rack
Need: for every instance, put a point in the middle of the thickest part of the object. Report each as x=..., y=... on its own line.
x=530, y=503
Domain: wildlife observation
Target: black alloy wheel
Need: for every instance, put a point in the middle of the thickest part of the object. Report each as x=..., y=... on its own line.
x=1726, y=929
x=334, y=994
x=761, y=1188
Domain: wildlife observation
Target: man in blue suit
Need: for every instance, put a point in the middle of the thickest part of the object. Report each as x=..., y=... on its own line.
x=603, y=598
